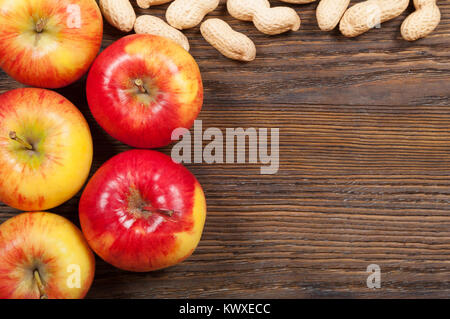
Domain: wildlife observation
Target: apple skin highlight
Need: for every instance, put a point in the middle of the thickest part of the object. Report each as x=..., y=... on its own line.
x=142, y=212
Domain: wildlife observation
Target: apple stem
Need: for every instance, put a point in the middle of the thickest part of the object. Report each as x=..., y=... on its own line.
x=140, y=85
x=166, y=212
x=13, y=136
x=40, y=24
x=37, y=277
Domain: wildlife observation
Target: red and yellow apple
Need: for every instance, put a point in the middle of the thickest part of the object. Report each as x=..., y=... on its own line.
x=43, y=255
x=142, y=87
x=49, y=43
x=45, y=149
x=141, y=211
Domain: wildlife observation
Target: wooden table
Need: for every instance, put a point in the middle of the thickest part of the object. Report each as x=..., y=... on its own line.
x=364, y=168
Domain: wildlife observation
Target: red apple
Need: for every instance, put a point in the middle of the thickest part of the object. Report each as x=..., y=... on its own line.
x=142, y=212
x=45, y=149
x=143, y=87
x=43, y=255
x=49, y=43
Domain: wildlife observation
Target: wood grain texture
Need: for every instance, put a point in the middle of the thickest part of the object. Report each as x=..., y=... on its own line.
x=364, y=168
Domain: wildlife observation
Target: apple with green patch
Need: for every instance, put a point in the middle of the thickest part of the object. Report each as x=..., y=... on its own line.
x=45, y=149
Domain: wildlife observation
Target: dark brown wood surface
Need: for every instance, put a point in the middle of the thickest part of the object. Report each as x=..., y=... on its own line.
x=364, y=168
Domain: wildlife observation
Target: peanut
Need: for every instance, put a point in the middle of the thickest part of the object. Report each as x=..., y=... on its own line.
x=266, y=19
x=230, y=43
x=246, y=10
x=119, y=13
x=185, y=14
x=145, y=4
x=330, y=12
x=298, y=1
x=156, y=26
x=422, y=22
x=365, y=15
